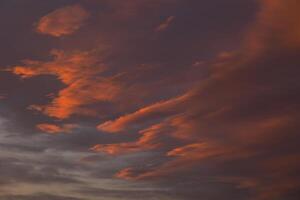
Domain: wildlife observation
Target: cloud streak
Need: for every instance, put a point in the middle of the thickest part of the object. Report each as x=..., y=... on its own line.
x=54, y=129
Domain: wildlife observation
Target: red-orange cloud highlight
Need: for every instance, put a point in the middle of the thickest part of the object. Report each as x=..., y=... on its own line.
x=81, y=73
x=55, y=129
x=63, y=21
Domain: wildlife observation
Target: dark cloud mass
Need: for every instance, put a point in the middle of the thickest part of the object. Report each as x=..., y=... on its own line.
x=36, y=197
x=149, y=99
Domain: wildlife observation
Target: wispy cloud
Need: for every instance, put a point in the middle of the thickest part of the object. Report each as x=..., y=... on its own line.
x=164, y=25
x=62, y=21
x=54, y=129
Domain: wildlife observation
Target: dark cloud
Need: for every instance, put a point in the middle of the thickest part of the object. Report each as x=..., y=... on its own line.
x=130, y=194
x=16, y=171
x=38, y=196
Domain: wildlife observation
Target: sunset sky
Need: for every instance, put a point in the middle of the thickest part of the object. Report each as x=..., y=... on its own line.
x=149, y=99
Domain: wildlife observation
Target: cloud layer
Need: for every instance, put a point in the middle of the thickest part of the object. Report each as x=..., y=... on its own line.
x=197, y=100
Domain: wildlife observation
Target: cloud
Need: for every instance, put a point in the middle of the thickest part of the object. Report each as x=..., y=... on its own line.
x=151, y=138
x=18, y=171
x=280, y=17
x=205, y=114
x=127, y=173
x=147, y=193
x=37, y=196
x=62, y=21
x=243, y=112
x=81, y=73
x=164, y=25
x=275, y=25
x=52, y=128
x=156, y=110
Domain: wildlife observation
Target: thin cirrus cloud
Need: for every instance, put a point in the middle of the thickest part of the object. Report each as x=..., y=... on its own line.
x=151, y=138
x=157, y=109
x=63, y=21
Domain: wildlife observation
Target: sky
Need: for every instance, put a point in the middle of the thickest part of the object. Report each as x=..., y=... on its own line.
x=149, y=99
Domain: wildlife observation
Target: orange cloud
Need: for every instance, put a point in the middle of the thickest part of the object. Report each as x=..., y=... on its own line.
x=157, y=109
x=81, y=73
x=151, y=139
x=187, y=158
x=246, y=107
x=54, y=129
x=190, y=149
x=126, y=173
x=281, y=17
x=276, y=27
x=115, y=149
x=238, y=113
x=63, y=21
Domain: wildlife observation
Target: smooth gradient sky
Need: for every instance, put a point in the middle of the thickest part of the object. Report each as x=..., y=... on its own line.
x=149, y=99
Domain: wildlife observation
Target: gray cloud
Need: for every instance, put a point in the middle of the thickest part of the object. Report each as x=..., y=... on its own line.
x=37, y=197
